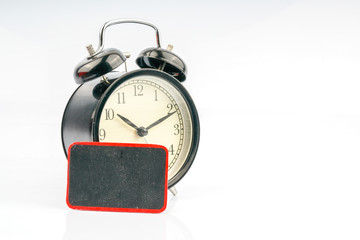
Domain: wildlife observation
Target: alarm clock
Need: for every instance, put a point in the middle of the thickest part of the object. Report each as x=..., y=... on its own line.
x=148, y=105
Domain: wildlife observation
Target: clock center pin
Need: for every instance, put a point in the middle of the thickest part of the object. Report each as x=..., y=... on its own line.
x=142, y=132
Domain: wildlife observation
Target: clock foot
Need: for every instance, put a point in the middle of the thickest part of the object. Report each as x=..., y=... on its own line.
x=173, y=191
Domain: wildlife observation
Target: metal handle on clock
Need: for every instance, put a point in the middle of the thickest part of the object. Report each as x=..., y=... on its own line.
x=120, y=21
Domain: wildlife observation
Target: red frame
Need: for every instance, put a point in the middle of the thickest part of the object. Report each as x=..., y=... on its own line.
x=117, y=209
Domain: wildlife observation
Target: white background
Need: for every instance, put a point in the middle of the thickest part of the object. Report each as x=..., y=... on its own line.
x=276, y=84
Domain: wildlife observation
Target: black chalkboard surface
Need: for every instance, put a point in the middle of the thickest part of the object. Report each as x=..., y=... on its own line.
x=117, y=177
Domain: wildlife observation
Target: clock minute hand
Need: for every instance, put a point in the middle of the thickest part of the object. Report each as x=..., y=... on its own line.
x=128, y=122
x=160, y=120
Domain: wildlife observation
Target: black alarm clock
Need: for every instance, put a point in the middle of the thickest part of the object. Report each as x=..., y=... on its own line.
x=148, y=105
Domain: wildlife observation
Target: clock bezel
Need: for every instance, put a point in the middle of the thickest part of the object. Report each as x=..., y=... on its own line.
x=194, y=118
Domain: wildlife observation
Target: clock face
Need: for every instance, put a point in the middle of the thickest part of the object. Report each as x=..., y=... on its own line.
x=148, y=109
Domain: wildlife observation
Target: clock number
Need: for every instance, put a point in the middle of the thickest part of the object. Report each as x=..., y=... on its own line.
x=138, y=90
x=109, y=114
x=170, y=107
x=121, y=98
x=177, y=130
x=102, y=134
x=171, y=149
x=156, y=98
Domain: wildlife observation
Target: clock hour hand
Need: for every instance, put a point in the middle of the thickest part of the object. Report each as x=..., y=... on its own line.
x=128, y=122
x=160, y=120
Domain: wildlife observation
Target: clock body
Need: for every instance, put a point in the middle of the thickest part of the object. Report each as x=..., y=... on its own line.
x=142, y=106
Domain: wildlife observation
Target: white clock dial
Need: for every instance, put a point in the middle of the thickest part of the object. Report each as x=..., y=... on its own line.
x=148, y=109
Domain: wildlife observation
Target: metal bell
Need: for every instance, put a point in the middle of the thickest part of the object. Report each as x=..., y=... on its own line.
x=98, y=65
x=164, y=60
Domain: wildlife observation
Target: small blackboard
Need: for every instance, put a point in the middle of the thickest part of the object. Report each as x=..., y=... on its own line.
x=117, y=177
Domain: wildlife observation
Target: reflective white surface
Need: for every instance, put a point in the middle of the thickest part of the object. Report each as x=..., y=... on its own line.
x=276, y=84
x=95, y=225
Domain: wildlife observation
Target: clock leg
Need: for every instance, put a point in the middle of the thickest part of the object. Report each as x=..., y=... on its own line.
x=173, y=191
